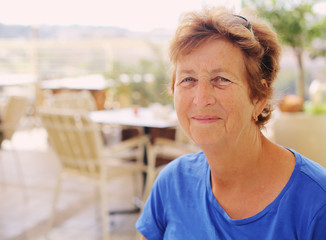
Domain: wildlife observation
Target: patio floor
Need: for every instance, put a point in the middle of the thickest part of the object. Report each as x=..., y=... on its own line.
x=24, y=210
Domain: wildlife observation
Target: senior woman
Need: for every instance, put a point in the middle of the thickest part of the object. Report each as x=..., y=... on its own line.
x=242, y=186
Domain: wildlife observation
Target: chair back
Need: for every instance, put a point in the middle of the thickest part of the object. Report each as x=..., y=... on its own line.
x=72, y=100
x=75, y=139
x=14, y=111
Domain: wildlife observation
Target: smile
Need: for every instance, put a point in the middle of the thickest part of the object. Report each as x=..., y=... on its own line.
x=206, y=119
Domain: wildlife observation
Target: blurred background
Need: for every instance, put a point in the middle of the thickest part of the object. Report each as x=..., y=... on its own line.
x=117, y=52
x=124, y=44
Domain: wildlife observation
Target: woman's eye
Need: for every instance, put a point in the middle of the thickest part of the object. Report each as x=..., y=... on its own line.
x=220, y=81
x=188, y=79
x=186, y=82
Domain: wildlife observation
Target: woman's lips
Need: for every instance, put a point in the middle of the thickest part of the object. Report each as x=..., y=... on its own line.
x=205, y=119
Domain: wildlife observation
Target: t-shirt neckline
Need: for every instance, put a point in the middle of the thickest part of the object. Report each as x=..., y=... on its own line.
x=259, y=215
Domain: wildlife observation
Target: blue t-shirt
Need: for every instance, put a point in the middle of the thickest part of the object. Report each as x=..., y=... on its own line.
x=182, y=206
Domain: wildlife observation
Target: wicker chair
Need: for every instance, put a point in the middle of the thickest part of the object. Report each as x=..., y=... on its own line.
x=167, y=149
x=14, y=111
x=78, y=144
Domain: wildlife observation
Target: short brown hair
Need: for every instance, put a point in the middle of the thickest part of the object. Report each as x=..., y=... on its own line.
x=254, y=37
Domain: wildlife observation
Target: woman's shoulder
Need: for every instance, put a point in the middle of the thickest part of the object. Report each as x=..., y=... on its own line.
x=187, y=161
x=308, y=199
x=193, y=164
x=312, y=175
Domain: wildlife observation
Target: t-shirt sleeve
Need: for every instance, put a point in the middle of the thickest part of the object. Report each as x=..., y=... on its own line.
x=318, y=225
x=151, y=222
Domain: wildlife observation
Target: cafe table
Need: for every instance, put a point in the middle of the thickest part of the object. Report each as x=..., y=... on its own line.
x=96, y=84
x=9, y=80
x=135, y=117
x=145, y=118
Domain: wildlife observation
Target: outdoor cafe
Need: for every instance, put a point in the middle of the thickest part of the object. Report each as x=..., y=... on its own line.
x=87, y=117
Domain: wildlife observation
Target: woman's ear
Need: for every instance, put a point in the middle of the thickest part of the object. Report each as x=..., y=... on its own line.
x=260, y=103
x=264, y=83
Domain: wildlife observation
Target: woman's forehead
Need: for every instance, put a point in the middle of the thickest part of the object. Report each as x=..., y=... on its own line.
x=215, y=56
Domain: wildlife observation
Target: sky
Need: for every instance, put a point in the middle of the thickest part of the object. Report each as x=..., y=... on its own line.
x=138, y=15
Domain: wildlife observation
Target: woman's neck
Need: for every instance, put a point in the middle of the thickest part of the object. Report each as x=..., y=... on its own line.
x=231, y=162
x=246, y=179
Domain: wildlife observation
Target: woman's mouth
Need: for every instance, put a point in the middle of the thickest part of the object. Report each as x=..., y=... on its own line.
x=205, y=119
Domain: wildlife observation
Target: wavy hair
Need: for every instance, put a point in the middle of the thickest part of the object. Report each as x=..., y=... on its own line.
x=253, y=36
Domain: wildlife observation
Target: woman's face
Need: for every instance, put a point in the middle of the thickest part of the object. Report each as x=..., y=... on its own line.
x=211, y=95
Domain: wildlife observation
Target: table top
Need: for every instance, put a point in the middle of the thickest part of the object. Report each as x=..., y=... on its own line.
x=144, y=117
x=89, y=82
x=16, y=79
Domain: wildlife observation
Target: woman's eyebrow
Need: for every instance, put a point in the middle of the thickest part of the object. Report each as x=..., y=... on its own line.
x=185, y=71
x=218, y=70
x=211, y=72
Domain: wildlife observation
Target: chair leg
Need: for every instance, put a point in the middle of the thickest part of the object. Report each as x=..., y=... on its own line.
x=54, y=204
x=104, y=209
x=151, y=172
x=3, y=180
x=19, y=169
x=138, y=189
x=136, y=182
x=97, y=208
x=148, y=185
x=20, y=173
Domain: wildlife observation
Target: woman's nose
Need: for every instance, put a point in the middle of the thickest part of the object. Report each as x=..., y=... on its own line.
x=204, y=94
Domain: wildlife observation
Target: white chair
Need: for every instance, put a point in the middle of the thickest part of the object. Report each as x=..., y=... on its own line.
x=82, y=100
x=13, y=113
x=78, y=101
x=79, y=147
x=166, y=149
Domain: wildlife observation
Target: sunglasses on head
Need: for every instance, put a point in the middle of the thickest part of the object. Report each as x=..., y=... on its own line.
x=245, y=23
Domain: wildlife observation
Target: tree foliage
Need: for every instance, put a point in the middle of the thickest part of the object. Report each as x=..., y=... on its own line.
x=142, y=92
x=297, y=26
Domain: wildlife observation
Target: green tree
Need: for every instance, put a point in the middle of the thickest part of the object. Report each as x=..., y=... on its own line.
x=297, y=26
x=144, y=92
